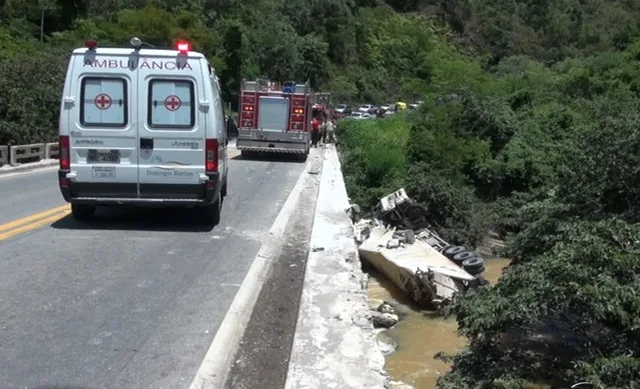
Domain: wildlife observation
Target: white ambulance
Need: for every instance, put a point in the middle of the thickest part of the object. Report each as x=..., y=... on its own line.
x=142, y=126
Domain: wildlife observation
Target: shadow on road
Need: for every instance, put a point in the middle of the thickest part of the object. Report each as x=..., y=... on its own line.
x=139, y=219
x=271, y=157
x=61, y=387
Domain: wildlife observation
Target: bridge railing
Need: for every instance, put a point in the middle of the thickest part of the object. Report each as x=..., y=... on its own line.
x=23, y=154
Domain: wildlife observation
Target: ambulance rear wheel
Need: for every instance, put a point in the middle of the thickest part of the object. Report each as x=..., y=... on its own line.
x=211, y=213
x=83, y=212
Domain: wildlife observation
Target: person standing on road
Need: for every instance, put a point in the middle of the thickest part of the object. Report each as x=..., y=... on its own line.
x=330, y=131
x=323, y=130
x=315, y=132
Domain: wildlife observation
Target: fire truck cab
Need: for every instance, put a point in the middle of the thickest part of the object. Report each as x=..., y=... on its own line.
x=274, y=118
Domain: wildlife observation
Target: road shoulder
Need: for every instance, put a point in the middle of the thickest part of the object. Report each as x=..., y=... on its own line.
x=217, y=364
x=263, y=358
x=334, y=345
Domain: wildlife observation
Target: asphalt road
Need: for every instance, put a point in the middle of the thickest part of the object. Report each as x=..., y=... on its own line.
x=132, y=300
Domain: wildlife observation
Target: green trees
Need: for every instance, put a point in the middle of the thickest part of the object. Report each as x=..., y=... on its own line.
x=545, y=154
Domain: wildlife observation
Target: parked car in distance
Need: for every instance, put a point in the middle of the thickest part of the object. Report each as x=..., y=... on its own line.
x=365, y=108
x=355, y=115
x=341, y=108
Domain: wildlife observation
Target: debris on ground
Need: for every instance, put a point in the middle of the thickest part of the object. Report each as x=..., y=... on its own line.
x=401, y=244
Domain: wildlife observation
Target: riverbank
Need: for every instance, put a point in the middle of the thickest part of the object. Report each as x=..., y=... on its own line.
x=420, y=334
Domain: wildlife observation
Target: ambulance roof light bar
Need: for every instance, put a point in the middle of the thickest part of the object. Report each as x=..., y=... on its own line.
x=137, y=43
x=183, y=47
x=91, y=44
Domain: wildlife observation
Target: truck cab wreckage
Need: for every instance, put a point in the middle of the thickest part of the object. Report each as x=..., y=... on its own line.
x=401, y=244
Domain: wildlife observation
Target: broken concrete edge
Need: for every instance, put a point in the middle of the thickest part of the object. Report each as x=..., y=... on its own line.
x=6, y=169
x=335, y=343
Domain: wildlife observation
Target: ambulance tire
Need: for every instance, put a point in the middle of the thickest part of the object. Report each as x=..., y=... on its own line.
x=83, y=212
x=211, y=212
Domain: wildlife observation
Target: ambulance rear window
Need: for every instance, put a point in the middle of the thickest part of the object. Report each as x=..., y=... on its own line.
x=171, y=104
x=104, y=102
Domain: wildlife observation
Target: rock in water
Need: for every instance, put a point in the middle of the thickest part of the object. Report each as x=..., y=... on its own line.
x=383, y=320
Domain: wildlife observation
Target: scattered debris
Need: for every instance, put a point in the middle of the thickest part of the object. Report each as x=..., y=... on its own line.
x=316, y=249
x=383, y=320
x=402, y=245
x=385, y=307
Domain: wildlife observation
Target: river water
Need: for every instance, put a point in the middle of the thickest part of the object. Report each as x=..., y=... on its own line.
x=421, y=334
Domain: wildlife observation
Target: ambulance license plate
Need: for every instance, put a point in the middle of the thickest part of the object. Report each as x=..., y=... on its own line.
x=103, y=156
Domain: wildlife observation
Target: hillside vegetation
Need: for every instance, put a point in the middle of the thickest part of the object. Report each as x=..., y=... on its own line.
x=530, y=131
x=356, y=53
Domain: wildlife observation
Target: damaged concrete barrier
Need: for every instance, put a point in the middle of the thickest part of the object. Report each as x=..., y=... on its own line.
x=335, y=344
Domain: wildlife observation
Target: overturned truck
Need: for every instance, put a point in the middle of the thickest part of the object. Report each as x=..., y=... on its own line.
x=401, y=244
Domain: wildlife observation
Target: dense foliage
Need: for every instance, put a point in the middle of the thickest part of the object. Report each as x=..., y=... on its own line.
x=357, y=53
x=539, y=143
x=530, y=129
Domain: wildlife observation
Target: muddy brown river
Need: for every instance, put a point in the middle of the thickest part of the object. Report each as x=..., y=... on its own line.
x=421, y=334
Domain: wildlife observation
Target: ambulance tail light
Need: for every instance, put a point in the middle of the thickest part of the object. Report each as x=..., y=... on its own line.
x=65, y=161
x=211, y=156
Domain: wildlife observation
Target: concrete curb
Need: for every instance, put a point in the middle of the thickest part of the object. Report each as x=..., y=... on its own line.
x=28, y=166
x=334, y=344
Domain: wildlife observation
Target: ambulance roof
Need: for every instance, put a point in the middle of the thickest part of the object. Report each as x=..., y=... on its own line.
x=121, y=51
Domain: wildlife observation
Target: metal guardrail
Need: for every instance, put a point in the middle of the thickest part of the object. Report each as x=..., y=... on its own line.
x=4, y=155
x=22, y=154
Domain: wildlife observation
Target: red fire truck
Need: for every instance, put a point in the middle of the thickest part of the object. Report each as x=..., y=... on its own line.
x=274, y=117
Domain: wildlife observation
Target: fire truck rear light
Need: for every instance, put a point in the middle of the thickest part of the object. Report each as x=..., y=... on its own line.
x=249, y=99
x=298, y=118
x=247, y=115
x=247, y=107
x=298, y=102
x=91, y=44
x=65, y=162
x=298, y=111
x=247, y=123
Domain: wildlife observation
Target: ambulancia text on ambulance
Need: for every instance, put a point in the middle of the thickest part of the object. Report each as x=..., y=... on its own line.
x=142, y=126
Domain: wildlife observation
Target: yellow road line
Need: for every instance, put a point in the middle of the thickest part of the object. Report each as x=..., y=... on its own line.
x=32, y=218
x=32, y=222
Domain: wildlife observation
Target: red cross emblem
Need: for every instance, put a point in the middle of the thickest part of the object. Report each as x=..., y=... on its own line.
x=172, y=103
x=102, y=101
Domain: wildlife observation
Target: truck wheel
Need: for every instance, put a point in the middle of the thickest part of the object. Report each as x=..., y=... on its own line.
x=246, y=154
x=211, y=214
x=83, y=212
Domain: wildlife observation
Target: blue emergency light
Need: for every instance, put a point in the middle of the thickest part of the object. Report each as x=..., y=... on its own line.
x=289, y=87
